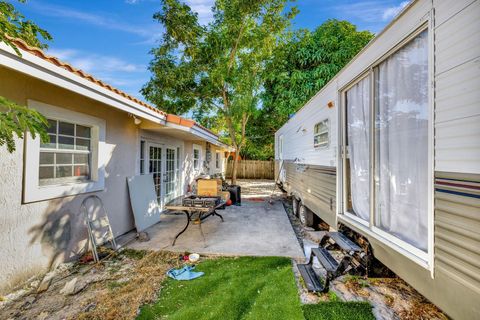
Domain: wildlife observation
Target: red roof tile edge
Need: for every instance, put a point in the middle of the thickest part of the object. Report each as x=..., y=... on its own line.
x=55, y=61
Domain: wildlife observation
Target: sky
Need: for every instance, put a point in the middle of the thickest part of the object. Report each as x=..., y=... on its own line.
x=112, y=39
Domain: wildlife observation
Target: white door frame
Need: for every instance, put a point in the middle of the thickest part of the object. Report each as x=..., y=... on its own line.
x=161, y=196
x=176, y=172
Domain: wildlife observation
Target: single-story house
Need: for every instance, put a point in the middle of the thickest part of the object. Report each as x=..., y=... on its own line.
x=99, y=136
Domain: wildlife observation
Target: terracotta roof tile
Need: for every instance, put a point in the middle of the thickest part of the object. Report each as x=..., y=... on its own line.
x=39, y=53
x=66, y=66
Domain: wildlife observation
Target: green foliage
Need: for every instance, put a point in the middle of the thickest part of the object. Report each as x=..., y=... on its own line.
x=300, y=68
x=16, y=119
x=216, y=71
x=13, y=25
x=232, y=288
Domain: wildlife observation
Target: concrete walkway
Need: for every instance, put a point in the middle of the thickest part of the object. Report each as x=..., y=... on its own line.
x=256, y=228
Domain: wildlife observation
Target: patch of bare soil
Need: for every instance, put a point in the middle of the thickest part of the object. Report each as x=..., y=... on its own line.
x=115, y=288
x=391, y=298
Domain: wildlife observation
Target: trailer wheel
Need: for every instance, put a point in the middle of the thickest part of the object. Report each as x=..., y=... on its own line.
x=305, y=215
x=295, y=206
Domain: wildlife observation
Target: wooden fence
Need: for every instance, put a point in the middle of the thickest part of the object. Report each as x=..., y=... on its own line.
x=252, y=169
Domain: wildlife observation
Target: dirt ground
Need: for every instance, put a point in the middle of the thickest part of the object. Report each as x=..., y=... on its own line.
x=392, y=298
x=115, y=288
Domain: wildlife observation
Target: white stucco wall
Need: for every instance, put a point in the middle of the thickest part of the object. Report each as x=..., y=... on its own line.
x=35, y=235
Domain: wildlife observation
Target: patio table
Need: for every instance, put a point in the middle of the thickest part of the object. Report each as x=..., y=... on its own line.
x=203, y=213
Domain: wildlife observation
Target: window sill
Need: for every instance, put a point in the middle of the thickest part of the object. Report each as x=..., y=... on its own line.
x=47, y=192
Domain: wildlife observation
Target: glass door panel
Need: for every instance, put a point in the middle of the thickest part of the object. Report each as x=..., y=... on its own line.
x=401, y=143
x=358, y=146
x=155, y=168
x=170, y=174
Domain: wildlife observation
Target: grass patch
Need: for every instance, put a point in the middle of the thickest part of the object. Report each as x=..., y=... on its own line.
x=338, y=311
x=232, y=288
x=133, y=254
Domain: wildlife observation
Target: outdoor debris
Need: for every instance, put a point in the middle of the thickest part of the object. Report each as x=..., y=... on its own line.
x=69, y=287
x=45, y=284
x=184, y=273
x=113, y=289
x=143, y=236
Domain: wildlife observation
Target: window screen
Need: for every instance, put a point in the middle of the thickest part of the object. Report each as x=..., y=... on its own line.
x=66, y=157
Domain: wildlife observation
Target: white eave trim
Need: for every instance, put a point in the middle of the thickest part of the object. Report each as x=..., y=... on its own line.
x=200, y=133
x=46, y=71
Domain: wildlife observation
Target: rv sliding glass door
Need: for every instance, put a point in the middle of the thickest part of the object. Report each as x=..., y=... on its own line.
x=401, y=143
x=386, y=163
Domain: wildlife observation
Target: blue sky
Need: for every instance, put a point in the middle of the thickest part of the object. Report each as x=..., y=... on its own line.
x=111, y=39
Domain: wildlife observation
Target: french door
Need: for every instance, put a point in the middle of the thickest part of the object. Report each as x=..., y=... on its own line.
x=171, y=181
x=155, y=167
x=163, y=165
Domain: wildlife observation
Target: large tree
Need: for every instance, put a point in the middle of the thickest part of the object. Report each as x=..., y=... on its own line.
x=217, y=71
x=15, y=119
x=300, y=68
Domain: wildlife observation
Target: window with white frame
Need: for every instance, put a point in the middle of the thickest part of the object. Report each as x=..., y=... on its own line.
x=71, y=162
x=217, y=160
x=196, y=157
x=142, y=156
x=320, y=134
x=66, y=156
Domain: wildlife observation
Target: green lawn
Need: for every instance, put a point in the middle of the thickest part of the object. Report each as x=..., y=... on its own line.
x=241, y=288
x=338, y=311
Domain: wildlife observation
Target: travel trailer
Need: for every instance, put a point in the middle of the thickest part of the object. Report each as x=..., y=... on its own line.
x=99, y=136
x=390, y=149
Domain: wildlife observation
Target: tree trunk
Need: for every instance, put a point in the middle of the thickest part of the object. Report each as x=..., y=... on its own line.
x=234, y=169
x=235, y=165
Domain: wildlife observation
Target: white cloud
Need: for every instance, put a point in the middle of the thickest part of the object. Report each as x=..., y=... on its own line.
x=391, y=12
x=203, y=8
x=368, y=13
x=127, y=76
x=95, y=63
x=94, y=19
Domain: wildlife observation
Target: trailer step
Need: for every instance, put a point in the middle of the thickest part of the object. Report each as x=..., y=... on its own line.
x=311, y=279
x=343, y=242
x=326, y=259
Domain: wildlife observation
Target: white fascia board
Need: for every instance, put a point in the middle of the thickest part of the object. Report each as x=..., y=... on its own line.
x=199, y=132
x=46, y=71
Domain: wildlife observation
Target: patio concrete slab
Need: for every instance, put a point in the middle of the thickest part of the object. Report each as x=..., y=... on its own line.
x=256, y=228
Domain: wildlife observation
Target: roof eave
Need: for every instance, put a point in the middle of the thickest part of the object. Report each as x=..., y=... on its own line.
x=44, y=70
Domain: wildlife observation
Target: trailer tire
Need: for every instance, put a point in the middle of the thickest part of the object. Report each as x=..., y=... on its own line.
x=305, y=215
x=295, y=206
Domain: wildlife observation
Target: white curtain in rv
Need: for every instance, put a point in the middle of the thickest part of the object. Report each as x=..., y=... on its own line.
x=358, y=135
x=401, y=147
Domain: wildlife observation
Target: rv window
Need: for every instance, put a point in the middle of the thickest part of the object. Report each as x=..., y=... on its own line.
x=320, y=134
x=66, y=156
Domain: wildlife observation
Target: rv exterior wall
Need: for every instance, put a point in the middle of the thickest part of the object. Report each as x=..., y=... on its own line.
x=450, y=278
